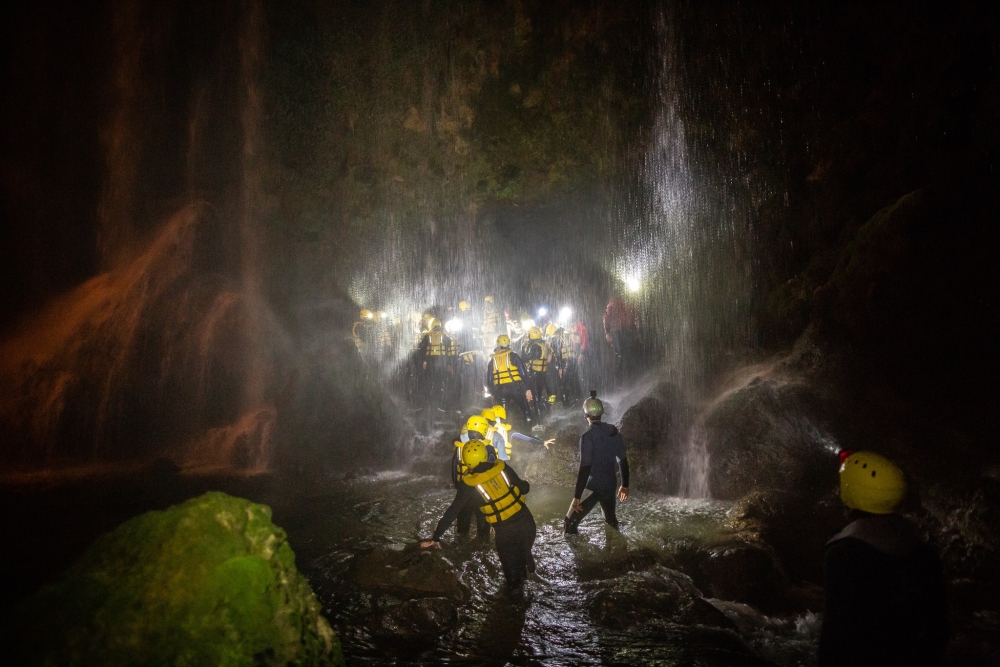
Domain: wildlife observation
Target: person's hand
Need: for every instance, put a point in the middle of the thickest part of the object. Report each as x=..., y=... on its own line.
x=623, y=494
x=608, y=337
x=577, y=505
x=527, y=395
x=549, y=442
x=425, y=365
x=430, y=544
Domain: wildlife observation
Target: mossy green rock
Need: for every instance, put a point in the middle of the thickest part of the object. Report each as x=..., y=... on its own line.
x=209, y=582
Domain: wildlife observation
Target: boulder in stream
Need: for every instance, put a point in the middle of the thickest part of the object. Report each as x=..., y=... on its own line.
x=771, y=433
x=211, y=582
x=409, y=572
x=658, y=593
x=413, y=620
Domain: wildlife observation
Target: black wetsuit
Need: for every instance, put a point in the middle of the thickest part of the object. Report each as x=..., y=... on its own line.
x=601, y=447
x=514, y=537
x=885, y=600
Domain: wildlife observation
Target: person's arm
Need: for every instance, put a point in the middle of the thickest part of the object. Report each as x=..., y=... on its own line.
x=488, y=378
x=450, y=514
x=586, y=453
x=515, y=480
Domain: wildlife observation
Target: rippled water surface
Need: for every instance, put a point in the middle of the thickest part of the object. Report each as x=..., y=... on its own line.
x=552, y=625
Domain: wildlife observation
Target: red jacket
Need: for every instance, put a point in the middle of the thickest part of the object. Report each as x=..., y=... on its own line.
x=583, y=333
x=619, y=315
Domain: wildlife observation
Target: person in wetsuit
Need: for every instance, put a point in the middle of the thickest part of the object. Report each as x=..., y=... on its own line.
x=601, y=448
x=475, y=429
x=885, y=597
x=499, y=492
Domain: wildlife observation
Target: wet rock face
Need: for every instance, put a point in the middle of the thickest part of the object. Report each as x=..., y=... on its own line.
x=770, y=434
x=645, y=425
x=413, y=620
x=737, y=570
x=795, y=526
x=409, y=572
x=211, y=581
x=636, y=597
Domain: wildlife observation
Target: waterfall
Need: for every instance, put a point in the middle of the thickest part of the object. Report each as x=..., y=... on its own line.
x=694, y=464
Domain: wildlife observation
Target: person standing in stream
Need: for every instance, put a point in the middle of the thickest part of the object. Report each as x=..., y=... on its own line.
x=499, y=492
x=601, y=448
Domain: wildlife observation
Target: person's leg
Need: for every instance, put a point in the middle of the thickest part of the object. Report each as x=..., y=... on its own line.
x=464, y=520
x=609, y=507
x=511, y=553
x=482, y=527
x=573, y=519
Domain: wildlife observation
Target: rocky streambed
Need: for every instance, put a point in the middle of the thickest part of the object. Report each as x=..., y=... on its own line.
x=680, y=584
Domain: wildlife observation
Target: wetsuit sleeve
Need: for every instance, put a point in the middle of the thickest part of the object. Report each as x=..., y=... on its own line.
x=516, y=480
x=424, y=342
x=516, y=361
x=488, y=378
x=581, y=481
x=451, y=513
x=527, y=438
x=622, y=454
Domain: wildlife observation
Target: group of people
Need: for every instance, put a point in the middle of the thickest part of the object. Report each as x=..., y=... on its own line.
x=488, y=489
x=885, y=597
x=539, y=362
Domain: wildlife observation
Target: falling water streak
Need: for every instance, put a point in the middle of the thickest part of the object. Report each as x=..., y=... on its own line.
x=122, y=145
x=250, y=47
x=694, y=466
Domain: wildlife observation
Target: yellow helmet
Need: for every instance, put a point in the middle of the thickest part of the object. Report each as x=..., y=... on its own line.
x=551, y=399
x=489, y=298
x=534, y=333
x=551, y=329
x=871, y=483
x=463, y=306
x=503, y=340
x=500, y=411
x=435, y=323
x=366, y=314
x=489, y=414
x=474, y=453
x=478, y=424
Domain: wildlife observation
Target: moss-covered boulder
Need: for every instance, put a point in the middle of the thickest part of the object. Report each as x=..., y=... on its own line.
x=209, y=582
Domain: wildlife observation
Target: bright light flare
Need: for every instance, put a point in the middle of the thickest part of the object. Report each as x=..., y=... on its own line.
x=542, y=312
x=565, y=314
x=633, y=284
x=527, y=324
x=451, y=326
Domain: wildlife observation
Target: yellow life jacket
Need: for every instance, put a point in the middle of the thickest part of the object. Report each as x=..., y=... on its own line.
x=461, y=470
x=470, y=357
x=491, y=320
x=504, y=431
x=453, y=348
x=504, y=372
x=502, y=500
x=570, y=343
x=437, y=345
x=541, y=364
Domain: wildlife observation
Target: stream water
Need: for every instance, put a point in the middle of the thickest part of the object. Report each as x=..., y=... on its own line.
x=552, y=625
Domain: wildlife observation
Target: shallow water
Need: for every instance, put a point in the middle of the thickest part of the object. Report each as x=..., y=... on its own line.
x=552, y=625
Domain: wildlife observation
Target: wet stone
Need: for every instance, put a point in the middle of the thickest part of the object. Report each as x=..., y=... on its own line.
x=770, y=434
x=657, y=593
x=646, y=424
x=413, y=620
x=796, y=527
x=738, y=570
x=408, y=572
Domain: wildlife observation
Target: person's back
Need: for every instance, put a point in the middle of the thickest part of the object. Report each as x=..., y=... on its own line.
x=885, y=599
